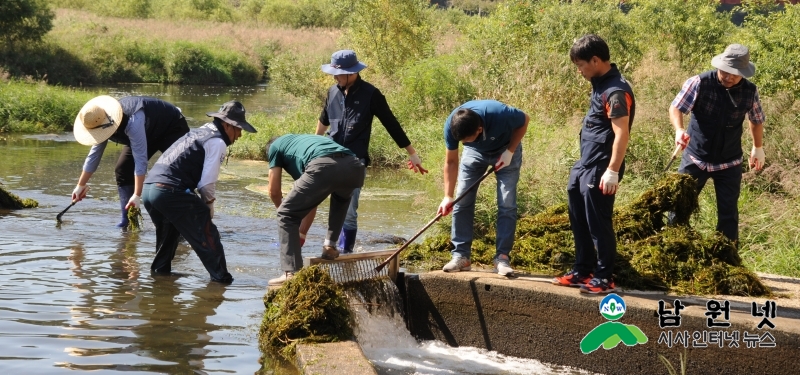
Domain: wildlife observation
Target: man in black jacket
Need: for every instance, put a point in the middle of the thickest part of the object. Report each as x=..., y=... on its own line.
x=350, y=107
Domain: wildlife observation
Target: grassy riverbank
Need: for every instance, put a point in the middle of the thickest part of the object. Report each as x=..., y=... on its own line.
x=429, y=61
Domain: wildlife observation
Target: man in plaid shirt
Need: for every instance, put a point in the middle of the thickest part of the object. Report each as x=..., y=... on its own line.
x=718, y=101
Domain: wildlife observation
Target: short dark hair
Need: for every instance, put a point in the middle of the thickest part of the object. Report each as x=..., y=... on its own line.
x=465, y=122
x=588, y=46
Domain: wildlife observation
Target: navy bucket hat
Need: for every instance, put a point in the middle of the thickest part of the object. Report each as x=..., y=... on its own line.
x=343, y=62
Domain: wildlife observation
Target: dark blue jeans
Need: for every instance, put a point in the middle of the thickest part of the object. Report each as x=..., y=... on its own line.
x=590, y=216
x=174, y=213
x=727, y=186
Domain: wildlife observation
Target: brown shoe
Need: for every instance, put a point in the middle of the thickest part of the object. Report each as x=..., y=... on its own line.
x=329, y=253
x=280, y=280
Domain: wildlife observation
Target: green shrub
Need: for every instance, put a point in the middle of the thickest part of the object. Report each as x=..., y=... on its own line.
x=390, y=34
x=693, y=28
x=433, y=87
x=24, y=21
x=775, y=50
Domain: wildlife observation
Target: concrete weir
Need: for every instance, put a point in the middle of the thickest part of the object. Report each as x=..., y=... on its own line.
x=530, y=318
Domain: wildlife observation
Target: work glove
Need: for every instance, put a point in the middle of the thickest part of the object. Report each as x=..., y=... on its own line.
x=210, y=209
x=415, y=164
x=504, y=160
x=609, y=182
x=80, y=192
x=757, y=158
x=445, y=207
x=135, y=201
x=681, y=138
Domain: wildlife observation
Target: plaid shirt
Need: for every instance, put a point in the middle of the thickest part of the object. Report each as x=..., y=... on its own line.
x=684, y=102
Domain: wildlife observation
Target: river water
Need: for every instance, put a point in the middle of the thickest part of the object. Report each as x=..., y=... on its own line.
x=79, y=295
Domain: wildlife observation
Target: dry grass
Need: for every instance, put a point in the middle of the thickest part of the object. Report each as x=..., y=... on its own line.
x=243, y=36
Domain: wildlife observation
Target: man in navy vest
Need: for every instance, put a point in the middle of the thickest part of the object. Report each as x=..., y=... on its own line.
x=350, y=107
x=595, y=177
x=142, y=125
x=192, y=163
x=718, y=101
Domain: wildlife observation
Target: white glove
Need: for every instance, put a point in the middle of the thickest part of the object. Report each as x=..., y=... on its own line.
x=609, y=182
x=79, y=193
x=445, y=207
x=681, y=138
x=211, y=209
x=757, y=158
x=504, y=160
x=134, y=201
x=415, y=163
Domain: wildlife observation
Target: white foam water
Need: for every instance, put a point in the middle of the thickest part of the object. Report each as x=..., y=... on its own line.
x=386, y=342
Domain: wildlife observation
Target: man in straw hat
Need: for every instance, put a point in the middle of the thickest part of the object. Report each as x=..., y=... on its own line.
x=350, y=107
x=320, y=168
x=718, y=101
x=142, y=125
x=192, y=163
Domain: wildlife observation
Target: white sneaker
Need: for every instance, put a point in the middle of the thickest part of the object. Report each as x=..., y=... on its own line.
x=457, y=264
x=501, y=264
x=280, y=280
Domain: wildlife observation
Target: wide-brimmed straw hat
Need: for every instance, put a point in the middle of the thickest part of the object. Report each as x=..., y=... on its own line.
x=98, y=120
x=343, y=62
x=735, y=60
x=233, y=112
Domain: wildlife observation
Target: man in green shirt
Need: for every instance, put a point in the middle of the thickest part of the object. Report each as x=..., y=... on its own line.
x=320, y=168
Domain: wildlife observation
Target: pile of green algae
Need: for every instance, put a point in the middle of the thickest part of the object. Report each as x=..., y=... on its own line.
x=308, y=308
x=10, y=200
x=651, y=254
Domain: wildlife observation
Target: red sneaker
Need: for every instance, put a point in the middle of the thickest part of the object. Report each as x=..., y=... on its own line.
x=599, y=286
x=571, y=278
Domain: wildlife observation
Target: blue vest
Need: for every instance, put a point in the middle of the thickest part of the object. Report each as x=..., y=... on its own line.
x=351, y=117
x=160, y=118
x=597, y=136
x=182, y=164
x=716, y=123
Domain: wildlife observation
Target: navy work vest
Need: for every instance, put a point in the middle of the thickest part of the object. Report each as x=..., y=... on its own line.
x=182, y=164
x=351, y=117
x=717, y=117
x=597, y=136
x=160, y=118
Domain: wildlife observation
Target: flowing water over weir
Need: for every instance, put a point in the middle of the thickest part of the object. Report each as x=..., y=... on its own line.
x=382, y=334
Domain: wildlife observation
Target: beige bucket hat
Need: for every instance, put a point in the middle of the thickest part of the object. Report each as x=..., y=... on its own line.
x=98, y=120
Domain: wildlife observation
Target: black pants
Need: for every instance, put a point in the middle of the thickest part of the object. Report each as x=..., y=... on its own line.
x=176, y=213
x=727, y=186
x=125, y=164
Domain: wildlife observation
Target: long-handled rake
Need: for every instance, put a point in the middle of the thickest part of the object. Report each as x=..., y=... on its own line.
x=435, y=219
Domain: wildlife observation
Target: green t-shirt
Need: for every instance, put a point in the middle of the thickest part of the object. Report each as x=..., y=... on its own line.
x=293, y=152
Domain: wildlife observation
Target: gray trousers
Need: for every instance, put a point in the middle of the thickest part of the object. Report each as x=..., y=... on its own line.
x=335, y=175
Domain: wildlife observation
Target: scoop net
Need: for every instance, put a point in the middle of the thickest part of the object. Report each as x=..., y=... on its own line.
x=348, y=268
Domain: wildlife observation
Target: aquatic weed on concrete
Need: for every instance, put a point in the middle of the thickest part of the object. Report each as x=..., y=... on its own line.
x=309, y=308
x=651, y=254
